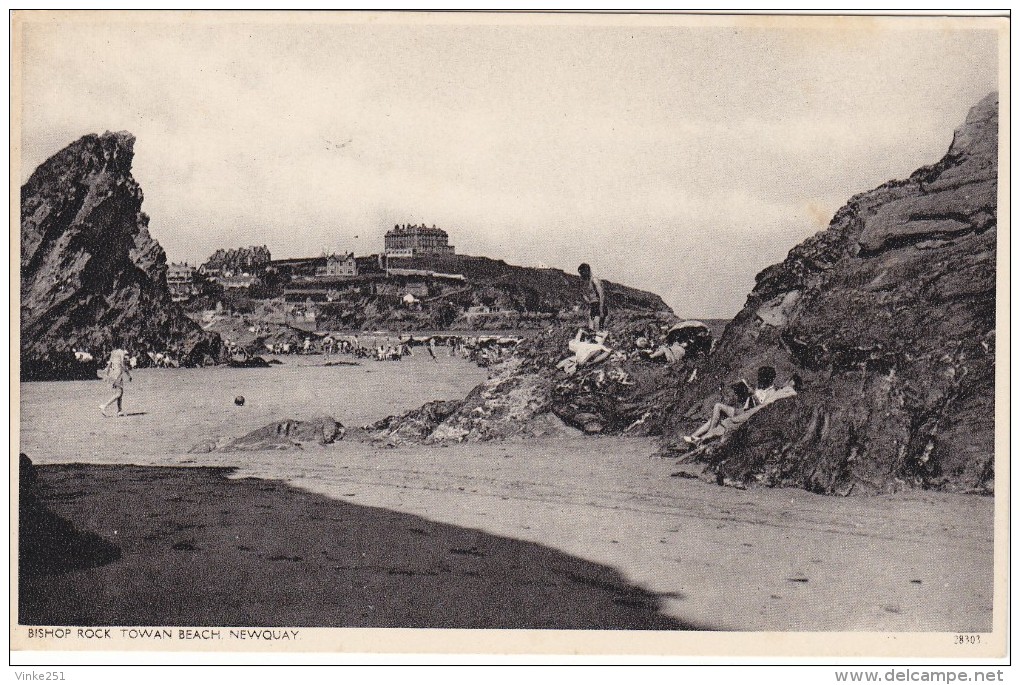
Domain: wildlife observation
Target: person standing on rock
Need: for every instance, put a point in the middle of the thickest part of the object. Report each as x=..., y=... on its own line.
x=116, y=370
x=595, y=297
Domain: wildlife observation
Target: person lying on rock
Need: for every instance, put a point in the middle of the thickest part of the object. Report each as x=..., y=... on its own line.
x=671, y=353
x=588, y=350
x=737, y=419
x=743, y=401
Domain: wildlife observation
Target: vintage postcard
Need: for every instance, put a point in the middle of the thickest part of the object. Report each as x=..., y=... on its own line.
x=549, y=333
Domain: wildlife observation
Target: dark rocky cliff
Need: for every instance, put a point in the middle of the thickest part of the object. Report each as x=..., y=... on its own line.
x=889, y=316
x=91, y=275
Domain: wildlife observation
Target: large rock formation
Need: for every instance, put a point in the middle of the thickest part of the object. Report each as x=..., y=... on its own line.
x=91, y=275
x=527, y=395
x=889, y=316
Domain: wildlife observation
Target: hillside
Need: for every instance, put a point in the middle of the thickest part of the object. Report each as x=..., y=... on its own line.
x=91, y=275
x=493, y=295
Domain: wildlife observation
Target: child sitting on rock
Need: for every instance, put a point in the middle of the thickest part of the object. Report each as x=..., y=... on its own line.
x=765, y=388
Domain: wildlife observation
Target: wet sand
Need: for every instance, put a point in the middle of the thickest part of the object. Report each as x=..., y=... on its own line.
x=592, y=525
x=171, y=410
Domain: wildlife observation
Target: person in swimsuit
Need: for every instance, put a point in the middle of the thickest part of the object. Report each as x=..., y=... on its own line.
x=743, y=403
x=738, y=418
x=588, y=350
x=595, y=298
x=116, y=370
x=766, y=386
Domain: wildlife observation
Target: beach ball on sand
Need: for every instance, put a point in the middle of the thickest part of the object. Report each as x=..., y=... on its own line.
x=239, y=400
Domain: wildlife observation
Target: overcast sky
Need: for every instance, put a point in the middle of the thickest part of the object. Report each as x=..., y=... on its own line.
x=682, y=160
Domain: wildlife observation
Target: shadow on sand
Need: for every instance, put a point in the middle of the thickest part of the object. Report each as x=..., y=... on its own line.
x=200, y=549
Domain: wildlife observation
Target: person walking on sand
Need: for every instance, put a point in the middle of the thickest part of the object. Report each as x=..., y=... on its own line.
x=116, y=370
x=595, y=298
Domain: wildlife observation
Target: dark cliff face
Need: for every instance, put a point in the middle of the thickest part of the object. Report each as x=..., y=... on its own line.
x=889, y=316
x=91, y=276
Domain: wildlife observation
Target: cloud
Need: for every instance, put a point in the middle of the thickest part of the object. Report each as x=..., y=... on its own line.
x=675, y=159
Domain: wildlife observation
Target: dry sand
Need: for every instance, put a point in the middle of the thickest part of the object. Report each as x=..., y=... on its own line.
x=558, y=532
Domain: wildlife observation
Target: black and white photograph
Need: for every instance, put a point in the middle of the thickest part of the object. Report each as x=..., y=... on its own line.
x=581, y=332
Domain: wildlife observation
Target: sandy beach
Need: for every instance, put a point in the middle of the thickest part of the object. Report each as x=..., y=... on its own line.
x=559, y=533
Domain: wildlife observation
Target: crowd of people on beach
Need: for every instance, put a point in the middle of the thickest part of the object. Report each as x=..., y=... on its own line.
x=484, y=350
x=159, y=360
x=394, y=353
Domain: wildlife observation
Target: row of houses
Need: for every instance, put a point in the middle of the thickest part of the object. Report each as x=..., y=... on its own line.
x=182, y=281
x=241, y=268
x=389, y=283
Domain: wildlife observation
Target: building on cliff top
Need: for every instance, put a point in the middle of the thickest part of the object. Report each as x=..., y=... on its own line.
x=339, y=265
x=405, y=240
x=236, y=282
x=180, y=278
x=243, y=261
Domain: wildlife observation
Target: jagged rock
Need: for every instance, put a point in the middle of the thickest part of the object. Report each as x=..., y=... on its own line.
x=889, y=316
x=91, y=275
x=527, y=395
x=414, y=426
x=280, y=435
x=502, y=407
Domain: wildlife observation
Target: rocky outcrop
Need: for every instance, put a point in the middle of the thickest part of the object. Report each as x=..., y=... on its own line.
x=508, y=405
x=414, y=426
x=528, y=396
x=889, y=317
x=91, y=275
x=280, y=435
